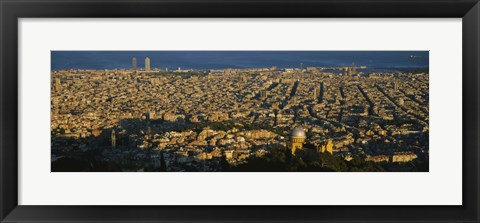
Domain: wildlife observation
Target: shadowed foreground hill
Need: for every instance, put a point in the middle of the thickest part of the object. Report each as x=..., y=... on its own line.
x=76, y=165
x=281, y=160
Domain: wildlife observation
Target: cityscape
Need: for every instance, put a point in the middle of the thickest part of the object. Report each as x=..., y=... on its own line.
x=314, y=111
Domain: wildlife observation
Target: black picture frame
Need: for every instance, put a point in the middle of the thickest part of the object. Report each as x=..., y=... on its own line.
x=11, y=11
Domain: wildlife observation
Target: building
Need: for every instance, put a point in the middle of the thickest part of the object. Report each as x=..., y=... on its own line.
x=403, y=157
x=263, y=94
x=378, y=159
x=134, y=63
x=147, y=64
x=325, y=147
x=400, y=102
x=350, y=71
x=57, y=84
x=297, y=139
x=113, y=138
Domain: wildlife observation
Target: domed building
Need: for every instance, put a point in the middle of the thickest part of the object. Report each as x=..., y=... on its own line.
x=297, y=139
x=298, y=132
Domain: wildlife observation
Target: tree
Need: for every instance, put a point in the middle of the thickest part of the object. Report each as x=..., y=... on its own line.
x=163, y=164
x=224, y=165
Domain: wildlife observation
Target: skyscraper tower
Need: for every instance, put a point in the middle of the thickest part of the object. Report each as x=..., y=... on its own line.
x=147, y=64
x=114, y=140
x=134, y=63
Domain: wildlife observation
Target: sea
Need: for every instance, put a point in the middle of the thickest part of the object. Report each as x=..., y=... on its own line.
x=375, y=61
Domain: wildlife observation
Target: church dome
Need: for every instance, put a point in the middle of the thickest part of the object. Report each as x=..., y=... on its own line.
x=298, y=132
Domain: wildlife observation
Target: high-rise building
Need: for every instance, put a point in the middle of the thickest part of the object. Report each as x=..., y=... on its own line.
x=147, y=64
x=349, y=70
x=134, y=63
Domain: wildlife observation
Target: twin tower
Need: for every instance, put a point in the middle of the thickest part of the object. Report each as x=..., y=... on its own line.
x=147, y=63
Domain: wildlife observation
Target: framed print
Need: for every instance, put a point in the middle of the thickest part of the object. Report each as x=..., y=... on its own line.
x=271, y=111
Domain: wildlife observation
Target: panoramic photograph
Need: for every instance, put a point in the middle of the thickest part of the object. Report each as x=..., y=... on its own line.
x=239, y=111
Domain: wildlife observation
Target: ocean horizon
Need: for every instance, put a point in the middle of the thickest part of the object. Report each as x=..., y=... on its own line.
x=206, y=60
